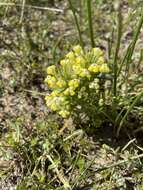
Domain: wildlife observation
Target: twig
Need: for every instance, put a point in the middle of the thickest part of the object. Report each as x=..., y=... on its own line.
x=35, y=92
x=33, y=7
x=22, y=11
x=127, y=145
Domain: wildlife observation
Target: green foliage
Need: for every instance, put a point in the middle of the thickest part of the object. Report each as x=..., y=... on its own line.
x=38, y=148
x=42, y=154
x=122, y=66
x=48, y=158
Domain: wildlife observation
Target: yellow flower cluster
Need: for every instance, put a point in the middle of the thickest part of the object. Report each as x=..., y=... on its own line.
x=66, y=81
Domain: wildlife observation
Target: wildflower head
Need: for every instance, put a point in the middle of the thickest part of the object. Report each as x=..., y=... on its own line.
x=63, y=62
x=51, y=70
x=51, y=81
x=104, y=68
x=94, y=68
x=77, y=49
x=77, y=69
x=84, y=73
x=70, y=56
x=64, y=113
x=61, y=83
x=100, y=61
x=74, y=79
x=72, y=91
x=97, y=52
x=74, y=83
x=80, y=60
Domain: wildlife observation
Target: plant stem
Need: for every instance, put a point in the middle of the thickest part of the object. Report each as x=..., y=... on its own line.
x=119, y=35
x=59, y=175
x=77, y=23
x=90, y=22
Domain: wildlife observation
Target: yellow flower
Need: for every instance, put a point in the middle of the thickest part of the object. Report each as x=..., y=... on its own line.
x=80, y=60
x=62, y=100
x=104, y=68
x=94, y=68
x=71, y=79
x=74, y=83
x=97, y=52
x=77, y=69
x=64, y=62
x=51, y=81
x=47, y=78
x=84, y=73
x=56, y=103
x=70, y=56
x=47, y=97
x=48, y=100
x=55, y=93
x=100, y=61
x=54, y=107
x=67, y=92
x=78, y=49
x=64, y=113
x=61, y=83
x=51, y=70
x=72, y=92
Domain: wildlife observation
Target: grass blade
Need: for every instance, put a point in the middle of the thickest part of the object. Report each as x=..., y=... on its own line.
x=128, y=111
x=128, y=56
x=62, y=178
x=89, y=12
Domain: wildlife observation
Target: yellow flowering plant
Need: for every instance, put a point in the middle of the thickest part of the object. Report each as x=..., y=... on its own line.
x=78, y=83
